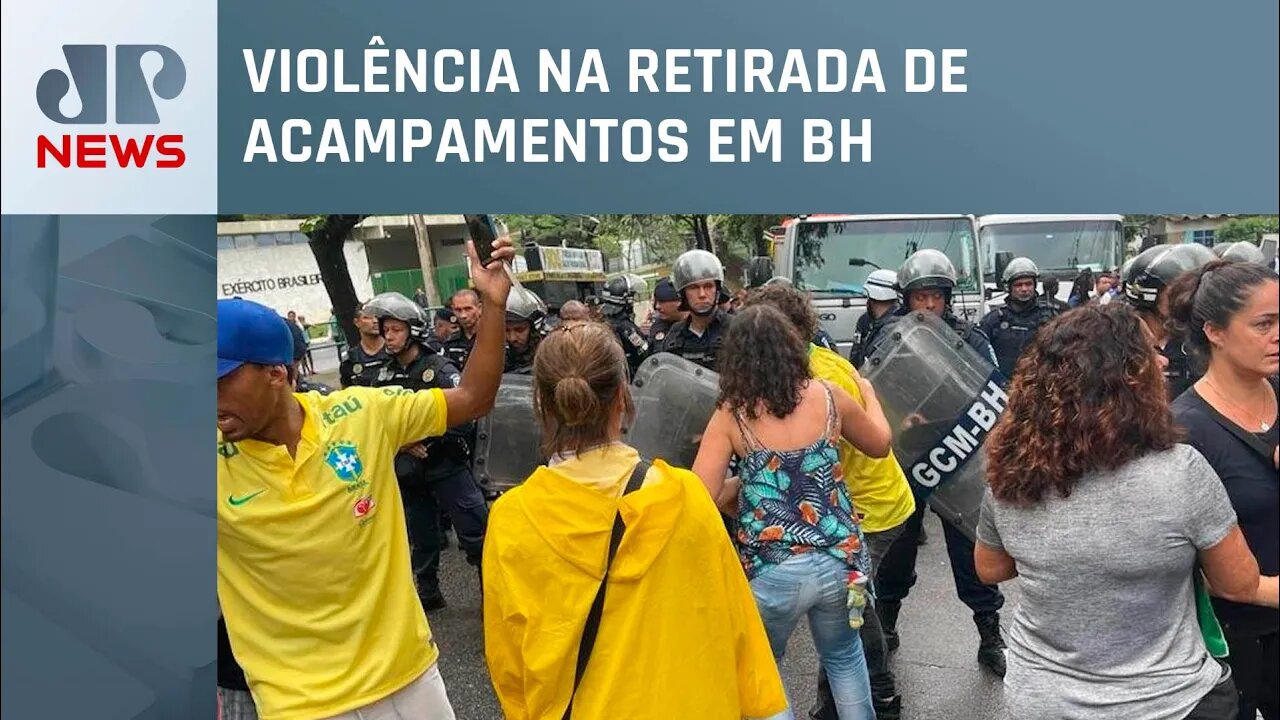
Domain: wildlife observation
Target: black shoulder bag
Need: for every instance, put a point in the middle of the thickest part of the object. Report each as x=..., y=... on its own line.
x=592, y=627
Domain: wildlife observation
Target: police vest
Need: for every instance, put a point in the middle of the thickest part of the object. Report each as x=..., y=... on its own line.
x=428, y=371
x=701, y=350
x=362, y=368
x=1014, y=331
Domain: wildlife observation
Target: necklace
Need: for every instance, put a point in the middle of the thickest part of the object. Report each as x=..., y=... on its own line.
x=1265, y=426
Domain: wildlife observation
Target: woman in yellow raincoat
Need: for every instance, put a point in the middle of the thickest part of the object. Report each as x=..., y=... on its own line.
x=677, y=633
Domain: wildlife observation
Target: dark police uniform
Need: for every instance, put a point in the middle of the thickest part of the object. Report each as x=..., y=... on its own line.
x=442, y=479
x=658, y=331
x=363, y=368
x=1183, y=371
x=867, y=332
x=628, y=334
x=823, y=339
x=704, y=350
x=1012, y=327
x=896, y=574
x=458, y=348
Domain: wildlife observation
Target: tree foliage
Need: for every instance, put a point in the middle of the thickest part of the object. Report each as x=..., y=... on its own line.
x=1248, y=229
x=327, y=236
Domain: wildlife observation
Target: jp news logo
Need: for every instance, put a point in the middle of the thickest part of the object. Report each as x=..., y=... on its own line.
x=135, y=104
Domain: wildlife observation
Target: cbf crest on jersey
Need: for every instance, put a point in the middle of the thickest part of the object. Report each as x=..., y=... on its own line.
x=344, y=458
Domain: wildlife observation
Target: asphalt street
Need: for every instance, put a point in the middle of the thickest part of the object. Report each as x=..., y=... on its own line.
x=938, y=674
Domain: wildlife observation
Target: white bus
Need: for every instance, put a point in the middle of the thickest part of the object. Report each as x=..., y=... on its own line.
x=1060, y=245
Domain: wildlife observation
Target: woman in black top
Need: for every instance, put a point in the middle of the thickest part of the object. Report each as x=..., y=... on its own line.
x=1230, y=314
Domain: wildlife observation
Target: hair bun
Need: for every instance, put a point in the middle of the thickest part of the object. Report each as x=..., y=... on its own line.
x=575, y=400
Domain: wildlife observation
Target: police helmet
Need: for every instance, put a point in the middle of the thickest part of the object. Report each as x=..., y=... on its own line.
x=696, y=266
x=525, y=306
x=1195, y=254
x=1155, y=268
x=1221, y=248
x=1242, y=252
x=1019, y=268
x=879, y=285
x=622, y=289
x=394, y=306
x=778, y=280
x=927, y=269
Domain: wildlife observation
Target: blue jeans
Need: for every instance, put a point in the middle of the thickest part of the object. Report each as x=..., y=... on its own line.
x=815, y=584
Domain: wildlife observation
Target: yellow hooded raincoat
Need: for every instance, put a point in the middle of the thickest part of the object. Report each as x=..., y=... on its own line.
x=680, y=636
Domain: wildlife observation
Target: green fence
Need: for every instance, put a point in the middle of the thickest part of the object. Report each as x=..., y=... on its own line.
x=449, y=279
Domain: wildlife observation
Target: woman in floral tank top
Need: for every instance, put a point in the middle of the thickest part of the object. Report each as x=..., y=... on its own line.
x=797, y=532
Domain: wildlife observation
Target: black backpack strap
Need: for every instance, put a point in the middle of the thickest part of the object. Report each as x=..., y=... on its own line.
x=592, y=627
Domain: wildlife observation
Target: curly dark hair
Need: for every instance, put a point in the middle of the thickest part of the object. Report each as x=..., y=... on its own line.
x=791, y=303
x=764, y=362
x=1087, y=394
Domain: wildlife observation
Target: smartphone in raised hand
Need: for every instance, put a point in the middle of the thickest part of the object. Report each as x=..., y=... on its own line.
x=485, y=231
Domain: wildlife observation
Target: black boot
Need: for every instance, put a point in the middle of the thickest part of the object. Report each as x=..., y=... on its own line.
x=990, y=643
x=432, y=601
x=888, y=612
x=888, y=708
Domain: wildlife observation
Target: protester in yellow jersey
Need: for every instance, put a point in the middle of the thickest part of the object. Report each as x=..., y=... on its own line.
x=611, y=589
x=878, y=488
x=314, y=578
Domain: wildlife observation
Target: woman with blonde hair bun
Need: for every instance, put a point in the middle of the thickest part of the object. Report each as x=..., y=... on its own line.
x=611, y=589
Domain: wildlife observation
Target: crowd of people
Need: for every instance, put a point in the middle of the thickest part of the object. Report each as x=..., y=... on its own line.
x=1131, y=487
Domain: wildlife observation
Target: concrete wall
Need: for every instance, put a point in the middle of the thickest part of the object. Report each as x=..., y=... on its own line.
x=285, y=277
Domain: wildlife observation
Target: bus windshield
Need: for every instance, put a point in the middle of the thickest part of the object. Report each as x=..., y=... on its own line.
x=835, y=257
x=1061, y=247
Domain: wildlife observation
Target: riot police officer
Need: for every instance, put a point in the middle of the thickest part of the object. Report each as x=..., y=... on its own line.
x=699, y=278
x=526, y=317
x=667, y=312
x=617, y=308
x=437, y=471
x=1240, y=252
x=926, y=282
x=882, y=304
x=366, y=361
x=466, y=308
x=1145, y=281
x=1012, y=326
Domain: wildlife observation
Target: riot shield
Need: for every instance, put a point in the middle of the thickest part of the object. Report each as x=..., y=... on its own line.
x=507, y=438
x=674, y=400
x=941, y=398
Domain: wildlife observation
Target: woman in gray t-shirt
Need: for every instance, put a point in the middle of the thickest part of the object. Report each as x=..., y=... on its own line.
x=1105, y=519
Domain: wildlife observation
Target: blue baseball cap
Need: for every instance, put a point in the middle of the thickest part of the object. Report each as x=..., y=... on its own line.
x=251, y=333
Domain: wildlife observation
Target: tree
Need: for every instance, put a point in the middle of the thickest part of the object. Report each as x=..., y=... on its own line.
x=699, y=232
x=579, y=231
x=327, y=236
x=661, y=237
x=1248, y=229
x=747, y=232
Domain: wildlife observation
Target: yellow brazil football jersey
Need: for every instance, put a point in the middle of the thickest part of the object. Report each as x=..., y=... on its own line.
x=877, y=486
x=314, y=577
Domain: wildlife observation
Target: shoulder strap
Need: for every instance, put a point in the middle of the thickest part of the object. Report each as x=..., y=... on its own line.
x=832, y=417
x=592, y=628
x=748, y=438
x=1246, y=437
